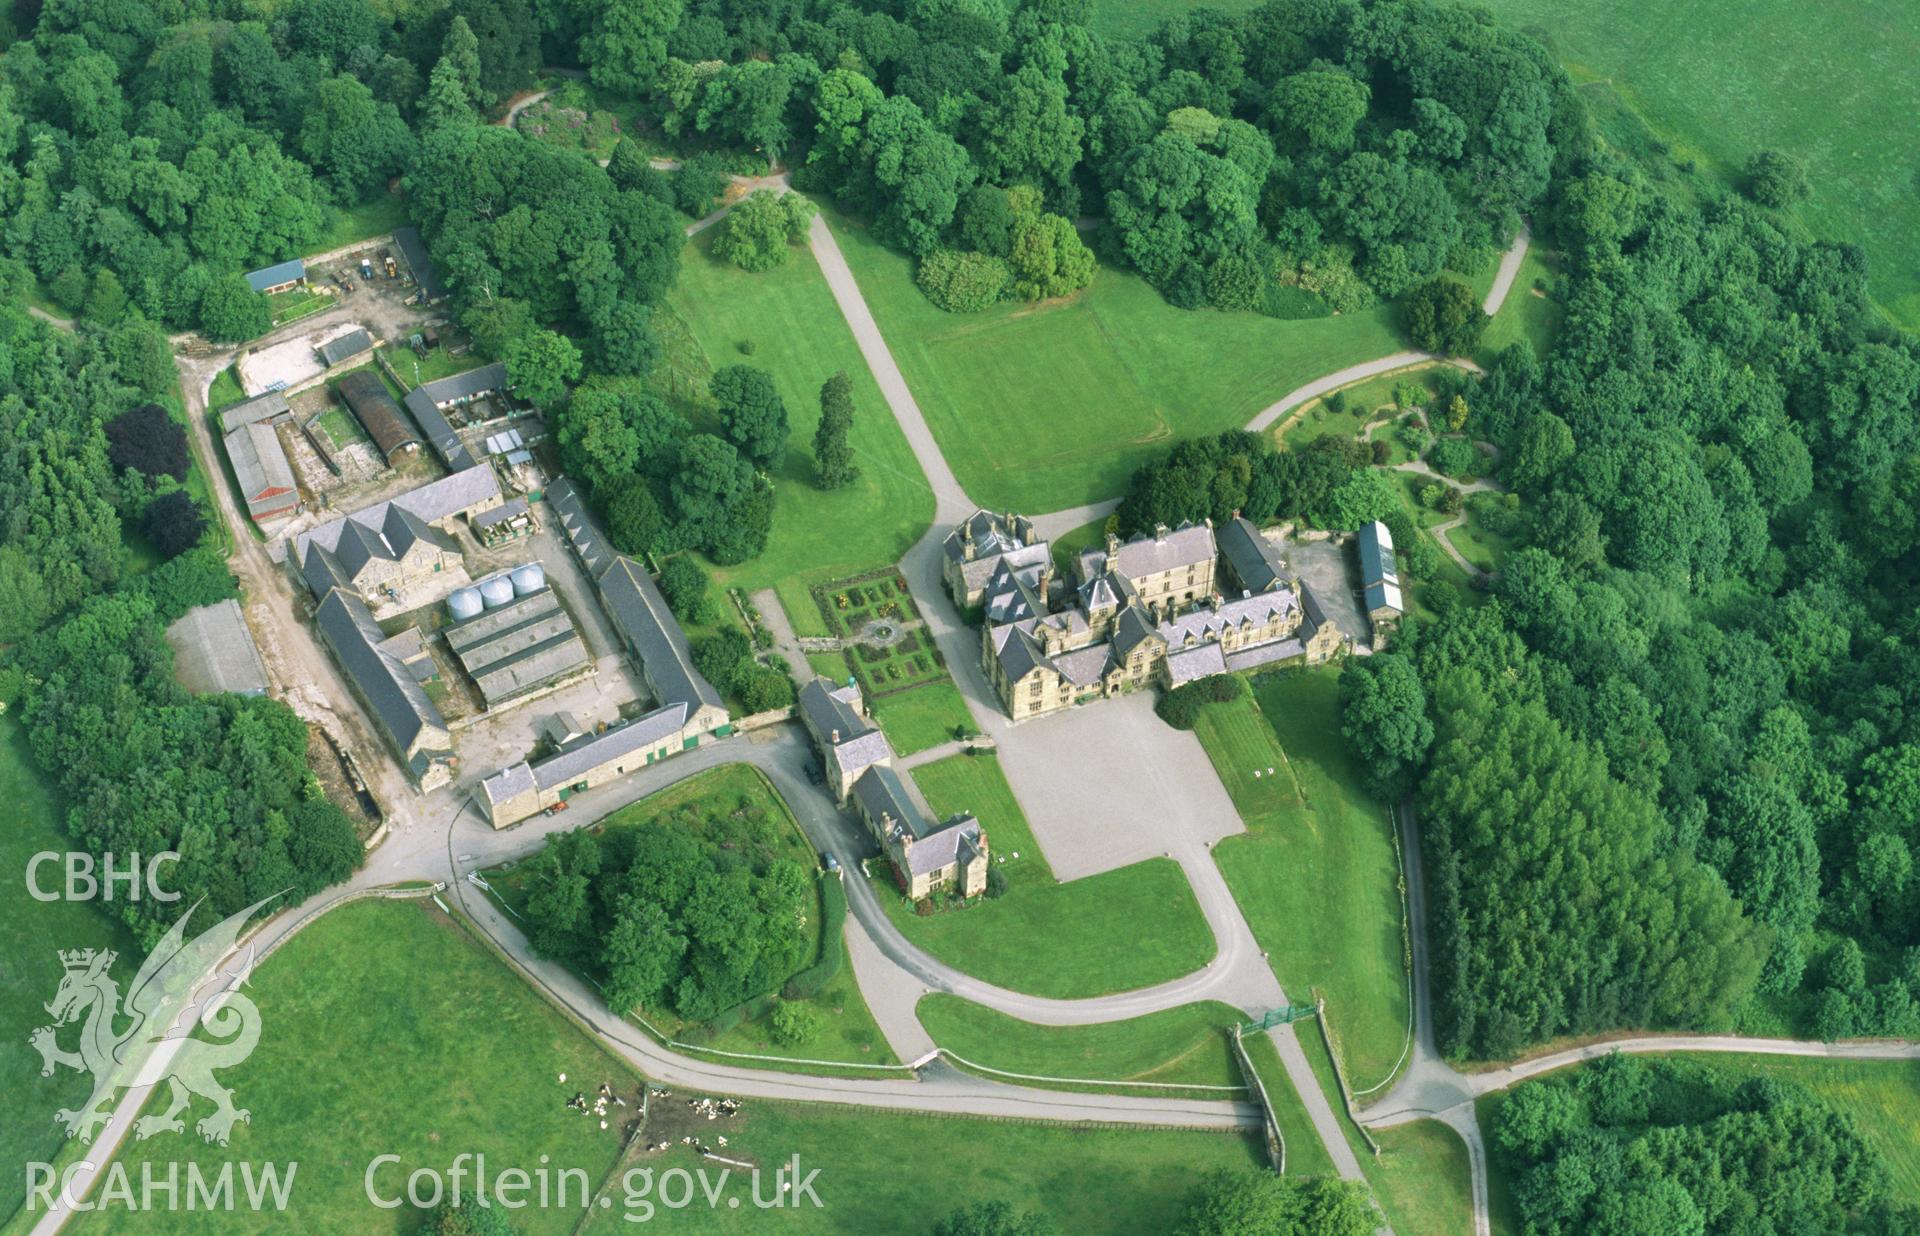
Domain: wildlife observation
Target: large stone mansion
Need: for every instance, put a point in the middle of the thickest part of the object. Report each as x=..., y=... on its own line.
x=1163, y=609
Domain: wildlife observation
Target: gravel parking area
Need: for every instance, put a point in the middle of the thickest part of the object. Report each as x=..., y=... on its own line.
x=1327, y=568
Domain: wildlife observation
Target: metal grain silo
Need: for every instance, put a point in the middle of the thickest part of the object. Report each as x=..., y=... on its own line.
x=464, y=604
x=496, y=591
x=529, y=578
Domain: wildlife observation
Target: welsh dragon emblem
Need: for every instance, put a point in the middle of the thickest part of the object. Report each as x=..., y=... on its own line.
x=147, y=1040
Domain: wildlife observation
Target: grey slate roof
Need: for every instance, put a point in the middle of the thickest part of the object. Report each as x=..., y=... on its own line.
x=1020, y=654
x=1133, y=627
x=583, y=533
x=955, y=840
x=1084, y=667
x=1266, y=654
x=1210, y=624
x=267, y=407
x=259, y=462
x=516, y=648
x=509, y=782
x=826, y=708
x=1255, y=560
x=407, y=239
x=883, y=794
x=579, y=758
x=436, y=429
x=373, y=406
x=1165, y=550
x=507, y=510
x=346, y=347
x=277, y=274
x=652, y=633
x=398, y=702
x=214, y=651
x=1312, y=616
x=459, y=386
x=431, y=503
x=1200, y=661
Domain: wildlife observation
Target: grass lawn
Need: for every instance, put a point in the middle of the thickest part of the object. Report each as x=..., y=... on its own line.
x=1067, y=546
x=369, y=219
x=31, y=934
x=1827, y=83
x=1184, y=1044
x=387, y=1029
x=292, y=306
x=799, y=337
x=1306, y=1153
x=1039, y=407
x=1316, y=872
x=1043, y=937
x=924, y=717
x=1477, y=544
x=436, y=364
x=224, y=392
x=1421, y=1179
x=847, y=1029
x=1089, y=1181
x=1527, y=313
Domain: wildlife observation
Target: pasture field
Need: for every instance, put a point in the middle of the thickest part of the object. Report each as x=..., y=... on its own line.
x=32, y=933
x=1421, y=1179
x=1832, y=84
x=1043, y=406
x=1316, y=872
x=387, y=1029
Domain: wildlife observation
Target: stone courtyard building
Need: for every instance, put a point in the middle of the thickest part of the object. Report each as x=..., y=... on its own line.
x=1149, y=611
x=981, y=545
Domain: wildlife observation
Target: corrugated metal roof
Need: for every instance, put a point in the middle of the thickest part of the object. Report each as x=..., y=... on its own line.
x=414, y=250
x=377, y=412
x=345, y=347
x=214, y=651
x=269, y=406
x=467, y=385
x=259, y=463
x=439, y=433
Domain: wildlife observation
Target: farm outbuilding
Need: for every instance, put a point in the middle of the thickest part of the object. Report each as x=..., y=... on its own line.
x=378, y=414
x=281, y=277
x=214, y=652
x=260, y=467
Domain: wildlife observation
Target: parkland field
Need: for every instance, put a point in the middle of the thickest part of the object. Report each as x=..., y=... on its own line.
x=1833, y=84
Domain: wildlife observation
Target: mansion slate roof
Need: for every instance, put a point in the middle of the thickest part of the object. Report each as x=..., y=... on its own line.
x=641, y=615
x=1255, y=560
x=1200, y=661
x=884, y=795
x=1084, y=667
x=1210, y=623
x=431, y=503
x=1164, y=550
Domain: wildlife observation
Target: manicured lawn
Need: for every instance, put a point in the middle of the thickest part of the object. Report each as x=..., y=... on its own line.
x=1050, y=939
x=1039, y=407
x=1316, y=872
x=924, y=717
x=799, y=337
x=1306, y=1153
x=1089, y=1181
x=847, y=1029
x=387, y=1029
x=1477, y=544
x=1421, y=1179
x=436, y=364
x=1184, y=1044
x=32, y=933
x=1831, y=84
x=375, y=218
